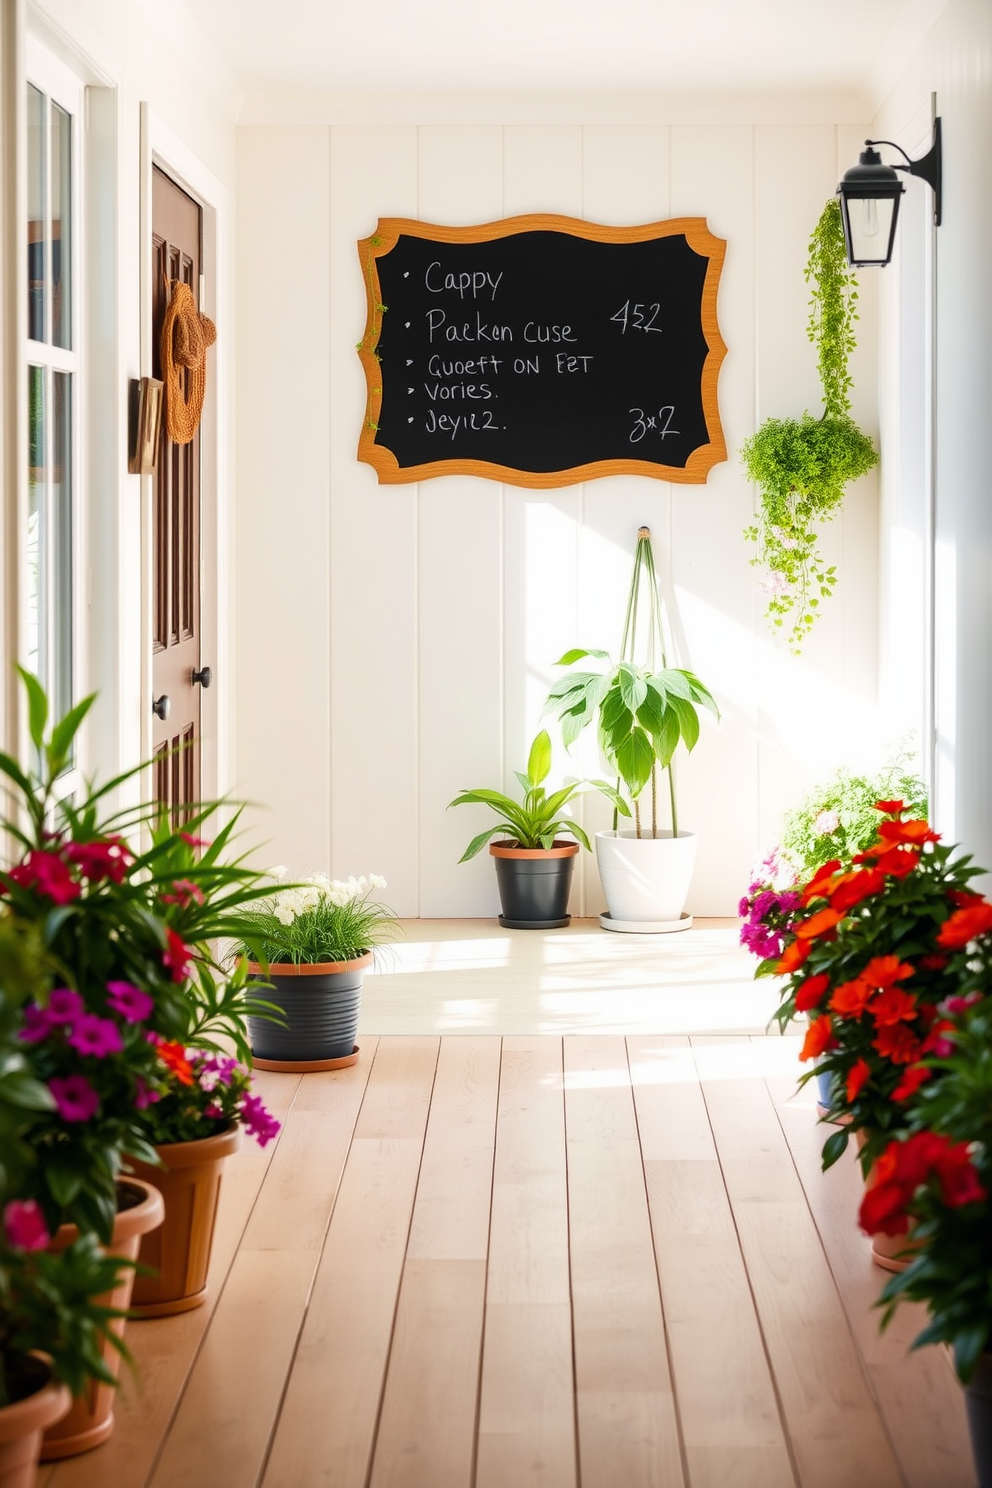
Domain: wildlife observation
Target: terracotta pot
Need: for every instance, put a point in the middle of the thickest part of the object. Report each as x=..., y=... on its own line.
x=891, y=1252
x=179, y=1250
x=533, y=884
x=22, y=1423
x=91, y=1417
x=320, y=1003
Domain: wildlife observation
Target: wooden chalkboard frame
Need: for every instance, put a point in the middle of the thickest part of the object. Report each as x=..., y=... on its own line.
x=700, y=240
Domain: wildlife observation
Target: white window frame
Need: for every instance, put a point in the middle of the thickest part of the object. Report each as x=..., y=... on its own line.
x=60, y=85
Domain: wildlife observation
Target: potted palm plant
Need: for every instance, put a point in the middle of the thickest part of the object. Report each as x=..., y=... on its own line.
x=643, y=709
x=310, y=945
x=534, y=858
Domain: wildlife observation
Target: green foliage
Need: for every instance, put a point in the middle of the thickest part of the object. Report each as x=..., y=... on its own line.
x=952, y=1275
x=810, y=835
x=536, y=821
x=643, y=711
x=802, y=466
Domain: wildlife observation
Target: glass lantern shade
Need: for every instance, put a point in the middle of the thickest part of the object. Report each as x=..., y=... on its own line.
x=869, y=203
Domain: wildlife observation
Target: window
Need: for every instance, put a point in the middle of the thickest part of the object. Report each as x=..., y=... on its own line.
x=53, y=379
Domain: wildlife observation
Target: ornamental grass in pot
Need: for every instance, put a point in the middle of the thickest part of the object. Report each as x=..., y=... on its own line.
x=311, y=943
x=643, y=710
x=534, y=857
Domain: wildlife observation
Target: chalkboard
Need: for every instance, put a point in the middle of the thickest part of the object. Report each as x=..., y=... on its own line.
x=541, y=350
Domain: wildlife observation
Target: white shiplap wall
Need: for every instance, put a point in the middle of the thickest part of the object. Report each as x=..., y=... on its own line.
x=395, y=643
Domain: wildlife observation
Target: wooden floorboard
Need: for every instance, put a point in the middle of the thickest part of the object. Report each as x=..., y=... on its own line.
x=580, y=1262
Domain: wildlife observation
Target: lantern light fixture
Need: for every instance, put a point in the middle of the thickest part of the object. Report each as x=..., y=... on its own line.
x=869, y=199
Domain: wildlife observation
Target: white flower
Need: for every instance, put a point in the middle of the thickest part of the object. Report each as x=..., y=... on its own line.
x=377, y=881
x=278, y=872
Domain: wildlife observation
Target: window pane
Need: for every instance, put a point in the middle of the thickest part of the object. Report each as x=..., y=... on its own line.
x=60, y=601
x=37, y=216
x=35, y=639
x=61, y=227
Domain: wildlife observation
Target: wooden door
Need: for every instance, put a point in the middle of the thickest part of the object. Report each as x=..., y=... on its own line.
x=176, y=662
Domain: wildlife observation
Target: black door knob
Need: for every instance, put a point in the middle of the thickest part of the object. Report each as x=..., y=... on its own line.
x=204, y=676
x=161, y=706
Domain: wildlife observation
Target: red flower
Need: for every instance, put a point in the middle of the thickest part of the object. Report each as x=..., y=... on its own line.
x=897, y=1042
x=817, y=884
x=173, y=1056
x=907, y=831
x=892, y=808
x=793, y=957
x=192, y=841
x=853, y=887
x=883, y=971
x=851, y=998
x=809, y=993
x=49, y=874
x=894, y=1005
x=858, y=1077
x=898, y=862
x=958, y=1177
x=964, y=925
x=964, y=898
x=184, y=892
x=819, y=1038
x=936, y=1041
x=106, y=858
x=933, y=963
x=176, y=956
x=818, y=924
x=883, y=1208
x=912, y=1078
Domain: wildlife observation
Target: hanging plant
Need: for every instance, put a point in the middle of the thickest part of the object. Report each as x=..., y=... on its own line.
x=801, y=466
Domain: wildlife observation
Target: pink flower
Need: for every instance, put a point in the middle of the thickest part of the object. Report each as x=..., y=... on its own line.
x=96, y=1036
x=24, y=1225
x=74, y=1097
x=64, y=1005
x=256, y=1120
x=96, y=861
x=46, y=872
x=132, y=1004
x=184, y=892
x=214, y=1112
x=145, y=1095
x=825, y=823
x=37, y=1025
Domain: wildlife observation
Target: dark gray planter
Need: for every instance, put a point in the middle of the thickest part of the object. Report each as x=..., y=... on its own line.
x=978, y=1399
x=320, y=1004
x=534, y=884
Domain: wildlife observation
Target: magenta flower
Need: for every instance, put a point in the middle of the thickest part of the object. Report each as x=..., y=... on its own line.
x=145, y=1095
x=24, y=1225
x=64, y=1005
x=132, y=1004
x=74, y=1097
x=214, y=1112
x=96, y=1036
x=257, y=1121
x=46, y=872
x=37, y=1025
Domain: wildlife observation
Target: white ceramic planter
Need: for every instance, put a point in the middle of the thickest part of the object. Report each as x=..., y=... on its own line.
x=646, y=879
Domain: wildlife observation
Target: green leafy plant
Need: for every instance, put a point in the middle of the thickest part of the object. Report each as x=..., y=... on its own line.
x=802, y=466
x=125, y=938
x=643, y=710
x=318, y=919
x=536, y=821
x=839, y=818
x=940, y=1177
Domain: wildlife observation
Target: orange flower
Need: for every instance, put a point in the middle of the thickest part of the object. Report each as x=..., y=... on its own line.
x=819, y=1037
x=173, y=1056
x=891, y=807
x=793, y=957
x=894, y=1005
x=819, y=923
x=817, y=885
x=882, y=971
x=912, y=1079
x=857, y=1079
x=964, y=925
x=907, y=831
x=898, y=862
x=809, y=993
x=851, y=998
x=851, y=888
x=897, y=1042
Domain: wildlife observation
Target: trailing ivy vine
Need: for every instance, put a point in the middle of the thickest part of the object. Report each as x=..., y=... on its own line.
x=802, y=466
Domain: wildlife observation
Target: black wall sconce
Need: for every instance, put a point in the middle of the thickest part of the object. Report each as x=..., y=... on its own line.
x=869, y=200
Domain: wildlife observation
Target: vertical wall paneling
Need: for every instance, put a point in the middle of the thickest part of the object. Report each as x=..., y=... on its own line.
x=460, y=588
x=283, y=616
x=375, y=748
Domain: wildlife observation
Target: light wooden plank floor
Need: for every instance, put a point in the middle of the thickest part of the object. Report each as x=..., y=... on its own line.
x=475, y=1261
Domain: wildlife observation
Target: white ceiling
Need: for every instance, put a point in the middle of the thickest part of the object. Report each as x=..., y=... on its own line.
x=354, y=46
